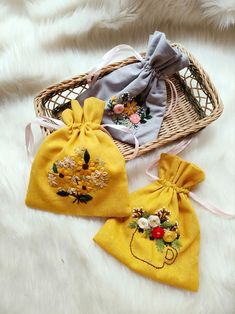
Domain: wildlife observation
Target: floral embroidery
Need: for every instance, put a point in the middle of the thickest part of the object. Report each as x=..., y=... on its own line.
x=157, y=227
x=78, y=176
x=126, y=111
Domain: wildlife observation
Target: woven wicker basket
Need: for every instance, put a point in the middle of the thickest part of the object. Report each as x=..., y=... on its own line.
x=198, y=103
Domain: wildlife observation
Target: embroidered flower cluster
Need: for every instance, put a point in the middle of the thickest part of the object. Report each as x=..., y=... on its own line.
x=78, y=176
x=126, y=111
x=157, y=227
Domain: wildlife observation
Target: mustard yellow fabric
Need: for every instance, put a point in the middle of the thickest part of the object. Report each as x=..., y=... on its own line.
x=78, y=169
x=176, y=263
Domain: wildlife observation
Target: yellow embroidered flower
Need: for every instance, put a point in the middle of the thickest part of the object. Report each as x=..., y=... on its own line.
x=113, y=100
x=78, y=175
x=130, y=108
x=84, y=187
x=85, y=168
x=169, y=236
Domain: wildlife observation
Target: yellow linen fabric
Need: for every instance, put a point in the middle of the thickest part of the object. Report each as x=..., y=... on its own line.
x=171, y=258
x=78, y=169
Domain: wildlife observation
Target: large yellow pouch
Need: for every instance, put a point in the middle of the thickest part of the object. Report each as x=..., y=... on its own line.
x=161, y=238
x=78, y=169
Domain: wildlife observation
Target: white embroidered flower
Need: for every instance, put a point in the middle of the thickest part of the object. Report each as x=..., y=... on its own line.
x=52, y=179
x=72, y=190
x=154, y=221
x=69, y=162
x=143, y=223
x=75, y=179
x=59, y=164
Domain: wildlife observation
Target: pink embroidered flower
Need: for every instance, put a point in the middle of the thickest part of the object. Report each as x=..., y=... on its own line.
x=119, y=108
x=134, y=118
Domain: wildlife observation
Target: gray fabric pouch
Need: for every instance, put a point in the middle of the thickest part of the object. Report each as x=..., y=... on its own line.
x=136, y=94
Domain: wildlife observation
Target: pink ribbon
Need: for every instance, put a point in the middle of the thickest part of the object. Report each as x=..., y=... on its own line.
x=55, y=124
x=173, y=97
x=205, y=204
x=107, y=58
x=176, y=149
x=128, y=131
x=49, y=123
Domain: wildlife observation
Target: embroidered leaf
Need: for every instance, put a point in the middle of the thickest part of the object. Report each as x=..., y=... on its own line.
x=160, y=244
x=147, y=111
x=85, y=198
x=86, y=156
x=148, y=232
x=176, y=244
x=110, y=106
x=145, y=215
x=142, y=116
x=54, y=168
x=148, y=117
x=62, y=193
x=166, y=224
x=133, y=224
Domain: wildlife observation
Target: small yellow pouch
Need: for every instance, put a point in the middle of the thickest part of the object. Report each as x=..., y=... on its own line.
x=161, y=238
x=78, y=169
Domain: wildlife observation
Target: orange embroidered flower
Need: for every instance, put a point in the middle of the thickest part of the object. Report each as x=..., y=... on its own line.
x=170, y=236
x=130, y=108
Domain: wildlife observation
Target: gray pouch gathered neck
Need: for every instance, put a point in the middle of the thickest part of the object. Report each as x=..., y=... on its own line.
x=136, y=94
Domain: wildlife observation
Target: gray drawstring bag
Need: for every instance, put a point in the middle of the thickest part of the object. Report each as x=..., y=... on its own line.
x=136, y=94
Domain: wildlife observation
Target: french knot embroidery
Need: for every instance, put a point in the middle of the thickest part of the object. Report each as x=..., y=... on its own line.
x=78, y=176
x=161, y=230
x=157, y=227
x=128, y=111
x=173, y=186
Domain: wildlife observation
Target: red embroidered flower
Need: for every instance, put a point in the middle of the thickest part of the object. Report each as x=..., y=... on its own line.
x=157, y=233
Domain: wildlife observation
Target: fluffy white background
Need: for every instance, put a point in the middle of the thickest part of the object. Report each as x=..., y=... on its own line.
x=49, y=263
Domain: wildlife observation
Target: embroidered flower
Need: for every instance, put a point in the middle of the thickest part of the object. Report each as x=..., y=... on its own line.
x=154, y=221
x=113, y=100
x=126, y=111
x=68, y=162
x=157, y=232
x=119, y=108
x=163, y=214
x=130, y=107
x=52, y=179
x=157, y=227
x=78, y=176
x=170, y=236
x=137, y=212
x=143, y=223
x=134, y=118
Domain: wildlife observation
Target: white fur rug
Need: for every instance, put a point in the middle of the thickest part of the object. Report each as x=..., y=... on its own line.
x=49, y=263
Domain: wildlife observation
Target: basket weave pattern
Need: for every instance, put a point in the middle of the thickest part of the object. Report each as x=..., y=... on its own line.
x=198, y=103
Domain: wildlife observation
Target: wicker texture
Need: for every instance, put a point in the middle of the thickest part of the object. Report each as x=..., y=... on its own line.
x=198, y=103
